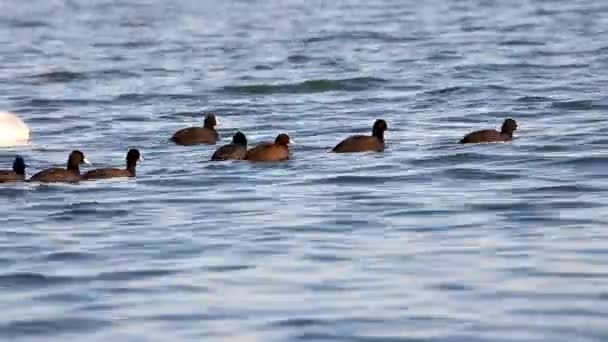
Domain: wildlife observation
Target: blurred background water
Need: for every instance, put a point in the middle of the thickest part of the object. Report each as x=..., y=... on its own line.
x=428, y=241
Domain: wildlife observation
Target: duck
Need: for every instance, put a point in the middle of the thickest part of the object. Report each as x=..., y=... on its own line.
x=270, y=151
x=16, y=174
x=490, y=135
x=235, y=151
x=198, y=135
x=364, y=143
x=71, y=174
x=133, y=156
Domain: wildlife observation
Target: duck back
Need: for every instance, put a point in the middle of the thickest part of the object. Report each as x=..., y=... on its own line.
x=230, y=151
x=359, y=143
x=7, y=176
x=485, y=135
x=268, y=152
x=195, y=136
x=107, y=173
x=56, y=175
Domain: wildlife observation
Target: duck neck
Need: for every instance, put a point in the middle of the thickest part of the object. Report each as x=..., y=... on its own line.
x=19, y=169
x=73, y=167
x=507, y=132
x=378, y=134
x=131, y=167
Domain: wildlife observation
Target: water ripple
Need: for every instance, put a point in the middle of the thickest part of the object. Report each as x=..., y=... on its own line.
x=428, y=241
x=309, y=86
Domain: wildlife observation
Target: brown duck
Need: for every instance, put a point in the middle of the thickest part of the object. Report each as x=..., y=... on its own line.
x=364, y=143
x=270, y=152
x=132, y=158
x=237, y=150
x=17, y=174
x=198, y=135
x=490, y=135
x=70, y=174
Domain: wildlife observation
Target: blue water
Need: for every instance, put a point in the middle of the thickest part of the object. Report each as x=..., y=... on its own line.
x=428, y=241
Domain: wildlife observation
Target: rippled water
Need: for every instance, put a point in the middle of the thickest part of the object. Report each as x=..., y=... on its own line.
x=428, y=241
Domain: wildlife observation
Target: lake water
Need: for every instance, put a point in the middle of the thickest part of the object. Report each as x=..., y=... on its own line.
x=428, y=241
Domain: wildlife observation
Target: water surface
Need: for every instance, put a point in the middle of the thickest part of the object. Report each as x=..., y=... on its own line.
x=428, y=241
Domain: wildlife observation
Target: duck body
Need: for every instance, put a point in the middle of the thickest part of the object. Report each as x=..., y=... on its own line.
x=359, y=143
x=71, y=174
x=195, y=136
x=237, y=150
x=7, y=176
x=230, y=152
x=17, y=174
x=270, y=152
x=485, y=135
x=55, y=175
x=133, y=156
x=198, y=135
x=364, y=143
x=108, y=172
x=491, y=135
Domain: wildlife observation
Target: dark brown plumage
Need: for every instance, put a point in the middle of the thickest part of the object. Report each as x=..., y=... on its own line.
x=490, y=135
x=198, y=135
x=236, y=150
x=364, y=143
x=70, y=174
x=17, y=174
x=132, y=158
x=270, y=152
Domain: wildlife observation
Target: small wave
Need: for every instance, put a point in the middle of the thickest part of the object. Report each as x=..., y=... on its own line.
x=478, y=174
x=516, y=42
x=503, y=207
x=229, y=268
x=442, y=160
x=262, y=67
x=26, y=279
x=41, y=102
x=566, y=189
x=517, y=27
x=76, y=211
x=453, y=287
x=463, y=90
x=355, y=179
x=183, y=114
x=184, y=317
x=310, y=86
x=21, y=23
x=297, y=59
x=130, y=275
x=533, y=99
x=59, y=76
x=570, y=274
x=495, y=67
x=578, y=105
x=137, y=97
x=70, y=256
x=49, y=327
x=585, y=161
x=114, y=73
x=360, y=35
x=300, y=323
x=128, y=44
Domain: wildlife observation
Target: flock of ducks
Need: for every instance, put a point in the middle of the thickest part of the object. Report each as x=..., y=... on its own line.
x=237, y=150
